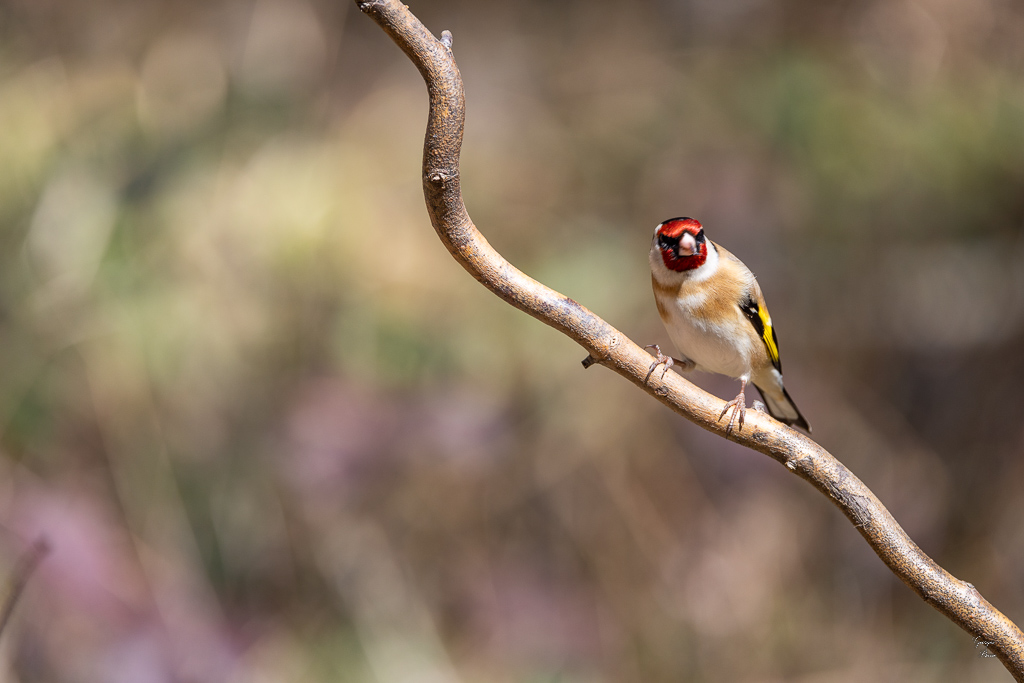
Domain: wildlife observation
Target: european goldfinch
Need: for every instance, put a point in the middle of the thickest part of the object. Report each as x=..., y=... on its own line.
x=715, y=314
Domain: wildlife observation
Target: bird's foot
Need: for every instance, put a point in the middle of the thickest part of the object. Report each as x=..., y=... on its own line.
x=660, y=359
x=667, y=361
x=739, y=410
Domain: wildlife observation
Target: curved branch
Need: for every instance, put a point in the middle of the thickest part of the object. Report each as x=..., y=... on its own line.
x=956, y=599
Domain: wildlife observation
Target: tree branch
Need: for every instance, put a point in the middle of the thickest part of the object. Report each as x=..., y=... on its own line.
x=957, y=600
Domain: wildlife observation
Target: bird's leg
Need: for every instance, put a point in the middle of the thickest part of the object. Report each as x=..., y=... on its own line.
x=667, y=361
x=739, y=406
x=660, y=359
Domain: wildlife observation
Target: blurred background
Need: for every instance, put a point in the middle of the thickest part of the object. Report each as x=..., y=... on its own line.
x=273, y=432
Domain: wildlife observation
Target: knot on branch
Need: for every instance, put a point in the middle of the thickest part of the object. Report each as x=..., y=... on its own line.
x=366, y=5
x=797, y=461
x=446, y=40
x=439, y=178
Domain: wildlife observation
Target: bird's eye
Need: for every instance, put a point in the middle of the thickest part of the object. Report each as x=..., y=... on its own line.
x=666, y=242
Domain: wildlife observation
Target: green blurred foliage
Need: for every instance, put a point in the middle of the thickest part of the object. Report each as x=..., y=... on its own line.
x=274, y=433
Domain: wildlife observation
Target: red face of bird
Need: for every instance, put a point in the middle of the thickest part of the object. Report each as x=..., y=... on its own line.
x=681, y=243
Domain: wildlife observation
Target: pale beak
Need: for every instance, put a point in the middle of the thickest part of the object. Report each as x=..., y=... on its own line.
x=688, y=244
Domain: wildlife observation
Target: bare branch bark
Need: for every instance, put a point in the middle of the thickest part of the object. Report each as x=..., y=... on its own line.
x=958, y=600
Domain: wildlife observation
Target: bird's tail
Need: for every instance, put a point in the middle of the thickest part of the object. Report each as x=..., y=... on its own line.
x=781, y=406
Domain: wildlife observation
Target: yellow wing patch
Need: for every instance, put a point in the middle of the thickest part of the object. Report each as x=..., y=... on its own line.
x=768, y=334
x=762, y=322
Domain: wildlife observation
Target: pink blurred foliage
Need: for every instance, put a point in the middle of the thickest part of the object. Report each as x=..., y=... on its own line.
x=96, y=607
x=343, y=438
x=518, y=612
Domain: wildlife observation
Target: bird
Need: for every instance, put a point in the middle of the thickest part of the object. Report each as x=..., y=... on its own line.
x=716, y=317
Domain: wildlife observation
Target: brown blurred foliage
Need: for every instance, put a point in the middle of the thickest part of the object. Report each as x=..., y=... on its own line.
x=273, y=432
